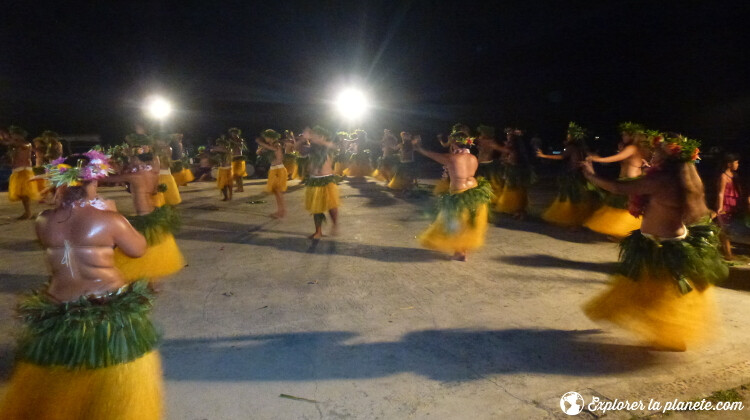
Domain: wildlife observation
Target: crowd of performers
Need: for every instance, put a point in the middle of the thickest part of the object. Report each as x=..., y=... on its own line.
x=88, y=348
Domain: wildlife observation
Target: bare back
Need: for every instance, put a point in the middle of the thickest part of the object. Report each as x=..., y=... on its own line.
x=79, y=244
x=462, y=167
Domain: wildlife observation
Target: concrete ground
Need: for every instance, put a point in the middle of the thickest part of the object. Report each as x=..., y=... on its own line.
x=263, y=323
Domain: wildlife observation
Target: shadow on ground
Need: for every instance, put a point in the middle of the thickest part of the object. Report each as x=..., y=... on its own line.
x=535, y=225
x=739, y=279
x=549, y=261
x=20, y=283
x=226, y=232
x=441, y=355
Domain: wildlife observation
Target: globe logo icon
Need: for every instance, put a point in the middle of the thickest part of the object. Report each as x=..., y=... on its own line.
x=571, y=403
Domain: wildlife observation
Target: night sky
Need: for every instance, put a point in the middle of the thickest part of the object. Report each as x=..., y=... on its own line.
x=427, y=64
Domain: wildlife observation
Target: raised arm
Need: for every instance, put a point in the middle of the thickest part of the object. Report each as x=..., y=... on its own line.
x=539, y=154
x=262, y=143
x=440, y=158
x=625, y=153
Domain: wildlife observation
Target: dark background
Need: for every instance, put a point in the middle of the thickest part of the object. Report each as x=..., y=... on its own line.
x=82, y=68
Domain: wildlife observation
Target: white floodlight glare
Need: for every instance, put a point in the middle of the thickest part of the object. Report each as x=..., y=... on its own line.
x=159, y=108
x=352, y=104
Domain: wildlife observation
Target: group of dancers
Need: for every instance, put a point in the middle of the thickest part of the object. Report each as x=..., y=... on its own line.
x=88, y=347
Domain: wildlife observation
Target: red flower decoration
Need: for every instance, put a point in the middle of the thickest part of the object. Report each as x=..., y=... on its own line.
x=695, y=154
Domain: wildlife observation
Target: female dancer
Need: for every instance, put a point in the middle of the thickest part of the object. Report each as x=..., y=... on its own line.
x=88, y=348
x=662, y=290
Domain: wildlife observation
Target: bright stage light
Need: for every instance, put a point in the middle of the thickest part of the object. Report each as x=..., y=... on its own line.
x=159, y=108
x=351, y=104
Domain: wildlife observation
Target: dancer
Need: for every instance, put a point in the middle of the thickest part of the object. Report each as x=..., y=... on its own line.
x=277, y=175
x=461, y=223
x=225, y=177
x=728, y=202
x=613, y=218
x=573, y=203
x=662, y=290
x=163, y=160
x=203, y=173
x=387, y=163
x=20, y=186
x=158, y=222
x=444, y=183
x=321, y=191
x=180, y=169
x=359, y=163
x=405, y=179
x=489, y=168
x=88, y=347
x=302, y=146
x=290, y=155
x=236, y=146
x=517, y=177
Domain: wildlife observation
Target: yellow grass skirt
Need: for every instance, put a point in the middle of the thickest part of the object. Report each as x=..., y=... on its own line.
x=322, y=199
x=338, y=168
x=128, y=391
x=172, y=194
x=567, y=213
x=239, y=168
x=183, y=177
x=443, y=186
x=654, y=310
x=158, y=199
x=224, y=178
x=612, y=221
x=277, y=180
x=160, y=260
x=291, y=170
x=462, y=238
x=21, y=185
x=512, y=200
x=358, y=170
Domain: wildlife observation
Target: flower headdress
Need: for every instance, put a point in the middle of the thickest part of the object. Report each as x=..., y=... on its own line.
x=676, y=146
x=463, y=128
x=236, y=131
x=97, y=167
x=460, y=137
x=576, y=132
x=631, y=128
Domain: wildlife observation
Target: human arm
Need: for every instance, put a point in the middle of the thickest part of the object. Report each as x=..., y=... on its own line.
x=539, y=154
x=720, y=195
x=131, y=242
x=640, y=186
x=440, y=158
x=620, y=156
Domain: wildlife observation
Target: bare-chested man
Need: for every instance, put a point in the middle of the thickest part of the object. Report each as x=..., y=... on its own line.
x=321, y=191
x=87, y=305
x=662, y=291
x=613, y=218
x=461, y=223
x=20, y=186
x=404, y=180
x=277, y=174
x=239, y=166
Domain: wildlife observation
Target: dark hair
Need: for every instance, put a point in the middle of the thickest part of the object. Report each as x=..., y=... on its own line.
x=145, y=157
x=72, y=194
x=75, y=158
x=729, y=158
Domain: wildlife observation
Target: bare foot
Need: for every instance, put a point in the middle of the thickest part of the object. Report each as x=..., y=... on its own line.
x=459, y=256
x=25, y=216
x=224, y=199
x=316, y=235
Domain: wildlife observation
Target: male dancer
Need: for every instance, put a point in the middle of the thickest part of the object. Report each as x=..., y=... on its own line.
x=321, y=191
x=277, y=174
x=20, y=186
x=237, y=146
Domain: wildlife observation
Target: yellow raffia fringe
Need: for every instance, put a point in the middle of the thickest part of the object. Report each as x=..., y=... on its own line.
x=129, y=391
x=568, y=213
x=160, y=260
x=613, y=222
x=322, y=199
x=172, y=194
x=461, y=238
x=21, y=185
